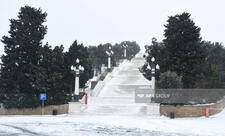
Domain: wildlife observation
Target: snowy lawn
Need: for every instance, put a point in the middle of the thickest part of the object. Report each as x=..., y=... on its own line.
x=67, y=125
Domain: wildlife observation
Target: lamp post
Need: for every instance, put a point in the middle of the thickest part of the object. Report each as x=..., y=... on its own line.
x=109, y=53
x=125, y=50
x=76, y=71
x=153, y=69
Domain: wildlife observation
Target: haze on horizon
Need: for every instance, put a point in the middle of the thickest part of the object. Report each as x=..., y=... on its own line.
x=93, y=22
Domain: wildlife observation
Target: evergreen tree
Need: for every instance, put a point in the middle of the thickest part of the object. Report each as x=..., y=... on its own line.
x=20, y=64
x=55, y=82
x=214, y=67
x=169, y=80
x=185, y=53
x=156, y=50
x=92, y=50
x=1, y=90
x=118, y=50
x=132, y=49
x=98, y=55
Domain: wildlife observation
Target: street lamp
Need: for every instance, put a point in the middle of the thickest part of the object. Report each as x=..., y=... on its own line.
x=109, y=53
x=125, y=50
x=153, y=69
x=76, y=71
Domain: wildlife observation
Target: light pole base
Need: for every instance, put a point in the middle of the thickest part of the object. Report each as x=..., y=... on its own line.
x=75, y=98
x=109, y=70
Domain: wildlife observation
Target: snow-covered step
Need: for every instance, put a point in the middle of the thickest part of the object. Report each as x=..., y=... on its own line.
x=121, y=109
x=118, y=91
x=116, y=94
x=126, y=80
x=123, y=87
x=129, y=73
x=111, y=100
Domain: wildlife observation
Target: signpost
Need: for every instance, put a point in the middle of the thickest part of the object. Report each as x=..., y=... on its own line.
x=43, y=97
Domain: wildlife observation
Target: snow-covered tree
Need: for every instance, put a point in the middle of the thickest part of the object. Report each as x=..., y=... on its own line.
x=185, y=53
x=20, y=64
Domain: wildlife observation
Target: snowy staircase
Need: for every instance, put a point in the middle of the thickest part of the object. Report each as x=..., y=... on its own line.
x=111, y=100
x=116, y=94
x=121, y=109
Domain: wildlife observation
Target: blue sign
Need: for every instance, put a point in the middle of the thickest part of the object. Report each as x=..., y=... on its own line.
x=43, y=96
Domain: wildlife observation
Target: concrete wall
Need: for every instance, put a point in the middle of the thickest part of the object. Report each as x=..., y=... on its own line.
x=61, y=109
x=192, y=110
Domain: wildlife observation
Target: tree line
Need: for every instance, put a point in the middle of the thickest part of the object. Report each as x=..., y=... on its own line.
x=30, y=67
x=184, y=57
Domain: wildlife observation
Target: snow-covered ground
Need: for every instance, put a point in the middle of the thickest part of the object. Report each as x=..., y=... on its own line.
x=112, y=111
x=83, y=125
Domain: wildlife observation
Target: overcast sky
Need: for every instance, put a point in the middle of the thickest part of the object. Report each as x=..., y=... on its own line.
x=92, y=22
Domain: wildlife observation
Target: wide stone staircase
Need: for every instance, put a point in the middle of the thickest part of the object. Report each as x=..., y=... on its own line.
x=116, y=95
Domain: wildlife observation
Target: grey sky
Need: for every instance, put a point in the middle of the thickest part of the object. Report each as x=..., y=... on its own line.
x=99, y=21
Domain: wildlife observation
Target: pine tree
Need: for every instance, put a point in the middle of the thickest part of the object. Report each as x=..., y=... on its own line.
x=183, y=45
x=20, y=64
x=55, y=81
x=156, y=50
x=118, y=50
